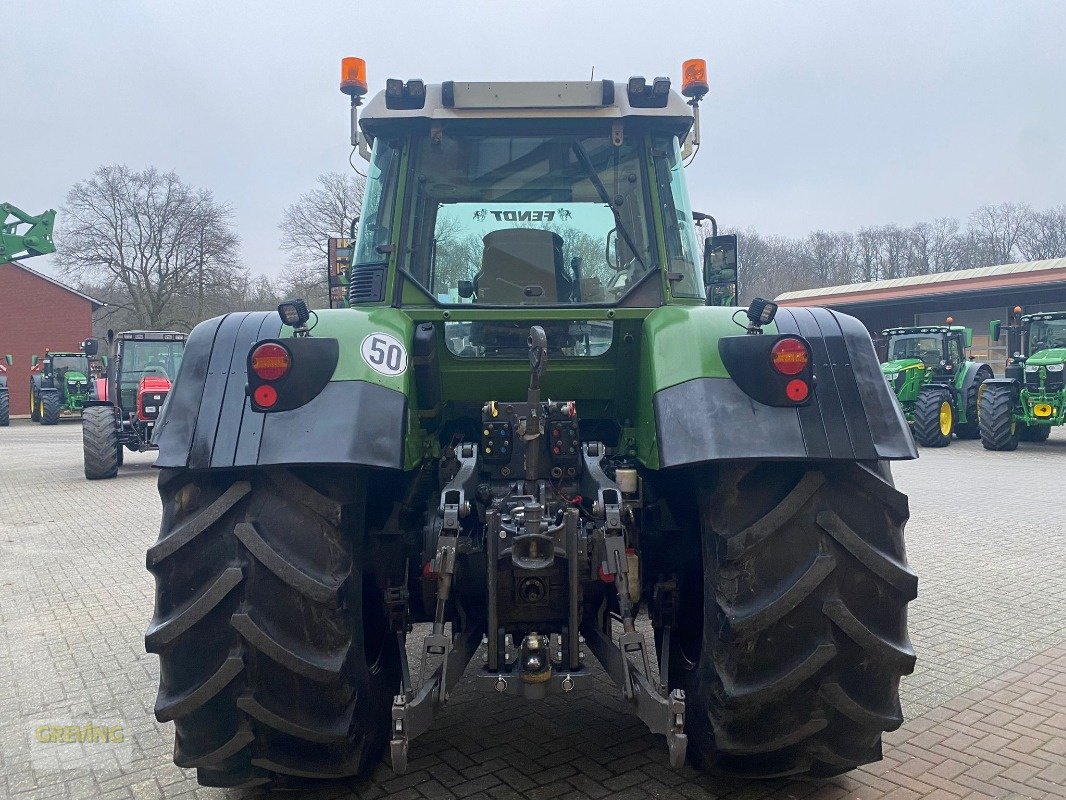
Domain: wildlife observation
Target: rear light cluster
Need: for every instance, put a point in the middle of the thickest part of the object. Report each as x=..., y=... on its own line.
x=790, y=356
x=270, y=362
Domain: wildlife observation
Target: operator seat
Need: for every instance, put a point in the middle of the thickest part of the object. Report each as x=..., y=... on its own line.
x=522, y=266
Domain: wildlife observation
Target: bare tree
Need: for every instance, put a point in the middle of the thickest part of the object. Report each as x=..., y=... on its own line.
x=162, y=252
x=1044, y=235
x=998, y=231
x=306, y=227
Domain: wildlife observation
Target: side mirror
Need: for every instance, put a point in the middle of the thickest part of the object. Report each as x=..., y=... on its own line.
x=466, y=289
x=110, y=336
x=7, y=358
x=33, y=361
x=993, y=329
x=967, y=337
x=720, y=269
x=90, y=347
x=103, y=360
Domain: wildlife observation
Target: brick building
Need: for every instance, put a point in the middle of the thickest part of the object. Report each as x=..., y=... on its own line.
x=38, y=313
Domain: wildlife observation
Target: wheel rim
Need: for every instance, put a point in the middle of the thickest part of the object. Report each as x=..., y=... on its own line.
x=945, y=418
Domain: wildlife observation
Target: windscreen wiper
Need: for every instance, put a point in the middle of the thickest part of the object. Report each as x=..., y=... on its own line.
x=594, y=176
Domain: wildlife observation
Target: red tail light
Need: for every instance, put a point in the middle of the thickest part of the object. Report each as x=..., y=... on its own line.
x=266, y=396
x=270, y=361
x=797, y=390
x=789, y=356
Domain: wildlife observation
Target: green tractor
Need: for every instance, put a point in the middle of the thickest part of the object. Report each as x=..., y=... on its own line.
x=1030, y=399
x=935, y=383
x=59, y=384
x=533, y=423
x=5, y=400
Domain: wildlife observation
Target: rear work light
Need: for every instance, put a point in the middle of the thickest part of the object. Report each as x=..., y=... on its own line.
x=789, y=356
x=270, y=361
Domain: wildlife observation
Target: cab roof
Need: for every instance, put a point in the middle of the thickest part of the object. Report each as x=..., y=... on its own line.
x=453, y=101
x=1044, y=315
x=924, y=329
x=155, y=336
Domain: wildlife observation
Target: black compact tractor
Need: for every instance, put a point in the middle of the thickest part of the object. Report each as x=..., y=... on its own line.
x=125, y=405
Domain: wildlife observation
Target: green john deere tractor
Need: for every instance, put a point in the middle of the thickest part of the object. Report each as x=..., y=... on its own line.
x=59, y=384
x=1030, y=399
x=936, y=385
x=533, y=423
x=5, y=400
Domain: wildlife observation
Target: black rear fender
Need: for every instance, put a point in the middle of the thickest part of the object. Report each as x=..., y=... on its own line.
x=851, y=416
x=208, y=420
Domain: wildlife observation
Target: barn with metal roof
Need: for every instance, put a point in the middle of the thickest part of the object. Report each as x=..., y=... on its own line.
x=973, y=297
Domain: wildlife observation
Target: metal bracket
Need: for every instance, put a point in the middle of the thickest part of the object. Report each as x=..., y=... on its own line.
x=662, y=712
x=412, y=714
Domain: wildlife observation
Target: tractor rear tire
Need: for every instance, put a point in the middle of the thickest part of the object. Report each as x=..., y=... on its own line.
x=1035, y=433
x=99, y=441
x=5, y=409
x=971, y=429
x=934, y=418
x=35, y=406
x=999, y=429
x=277, y=663
x=793, y=667
x=50, y=408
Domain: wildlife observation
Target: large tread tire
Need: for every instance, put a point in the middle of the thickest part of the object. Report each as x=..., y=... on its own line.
x=999, y=429
x=1035, y=433
x=793, y=668
x=928, y=429
x=35, y=409
x=99, y=442
x=50, y=408
x=276, y=662
x=971, y=429
x=5, y=409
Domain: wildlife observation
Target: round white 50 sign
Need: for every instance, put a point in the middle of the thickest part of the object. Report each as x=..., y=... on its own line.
x=384, y=353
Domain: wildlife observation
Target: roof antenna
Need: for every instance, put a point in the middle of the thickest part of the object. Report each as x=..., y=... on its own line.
x=593, y=75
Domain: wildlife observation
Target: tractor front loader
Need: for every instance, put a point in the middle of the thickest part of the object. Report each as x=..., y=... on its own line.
x=5, y=400
x=1030, y=399
x=59, y=385
x=540, y=416
x=933, y=380
x=25, y=235
x=127, y=401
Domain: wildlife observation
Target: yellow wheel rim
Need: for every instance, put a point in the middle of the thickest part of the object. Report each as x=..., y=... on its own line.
x=945, y=418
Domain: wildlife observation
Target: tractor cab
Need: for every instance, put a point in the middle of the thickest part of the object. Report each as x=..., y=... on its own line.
x=144, y=362
x=129, y=399
x=929, y=351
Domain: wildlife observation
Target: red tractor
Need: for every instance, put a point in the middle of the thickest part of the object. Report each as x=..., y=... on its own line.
x=126, y=402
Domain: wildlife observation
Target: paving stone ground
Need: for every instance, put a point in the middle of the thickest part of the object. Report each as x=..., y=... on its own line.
x=986, y=706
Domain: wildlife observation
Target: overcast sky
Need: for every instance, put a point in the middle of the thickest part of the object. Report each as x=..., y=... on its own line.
x=825, y=115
